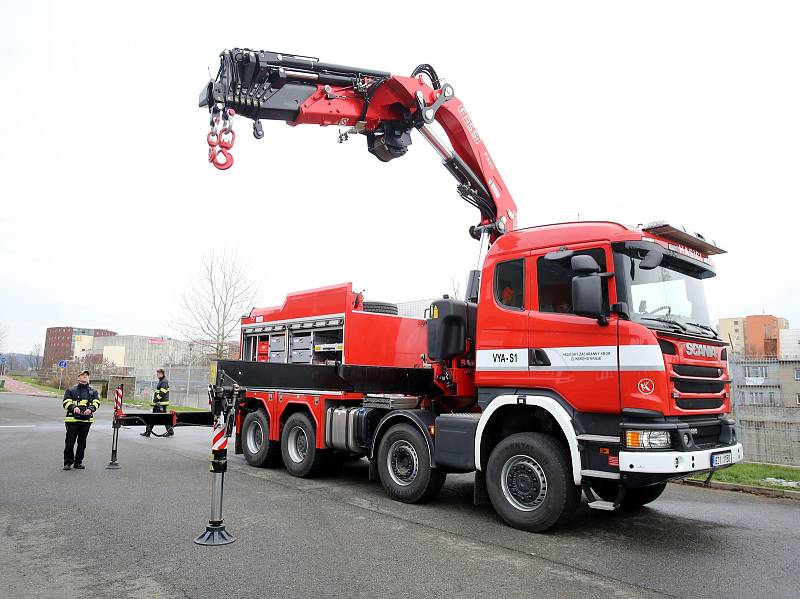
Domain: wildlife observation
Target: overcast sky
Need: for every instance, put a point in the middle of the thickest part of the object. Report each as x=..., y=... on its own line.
x=628, y=111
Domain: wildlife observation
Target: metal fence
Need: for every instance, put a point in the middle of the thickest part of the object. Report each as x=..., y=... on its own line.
x=769, y=434
x=188, y=386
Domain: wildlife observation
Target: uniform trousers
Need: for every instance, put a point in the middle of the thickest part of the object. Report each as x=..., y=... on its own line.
x=76, y=431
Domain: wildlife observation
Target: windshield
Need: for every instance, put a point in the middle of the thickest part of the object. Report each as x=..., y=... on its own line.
x=663, y=294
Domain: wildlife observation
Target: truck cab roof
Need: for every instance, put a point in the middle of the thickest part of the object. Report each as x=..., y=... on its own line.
x=563, y=234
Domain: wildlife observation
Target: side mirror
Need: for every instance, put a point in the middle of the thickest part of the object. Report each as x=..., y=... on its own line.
x=587, y=297
x=652, y=259
x=584, y=264
x=558, y=255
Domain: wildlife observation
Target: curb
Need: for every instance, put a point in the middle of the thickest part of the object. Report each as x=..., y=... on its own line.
x=763, y=491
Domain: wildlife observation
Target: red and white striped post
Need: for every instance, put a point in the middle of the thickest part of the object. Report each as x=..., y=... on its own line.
x=215, y=533
x=118, y=393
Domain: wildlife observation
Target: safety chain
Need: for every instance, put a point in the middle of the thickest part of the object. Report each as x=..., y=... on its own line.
x=220, y=140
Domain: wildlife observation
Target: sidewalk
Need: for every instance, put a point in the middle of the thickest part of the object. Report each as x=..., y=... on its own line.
x=24, y=388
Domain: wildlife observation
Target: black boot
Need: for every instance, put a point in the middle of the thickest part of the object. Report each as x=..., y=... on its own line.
x=144, y=435
x=67, y=466
x=79, y=466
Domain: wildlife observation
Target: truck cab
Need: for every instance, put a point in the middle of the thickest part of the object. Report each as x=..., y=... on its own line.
x=604, y=331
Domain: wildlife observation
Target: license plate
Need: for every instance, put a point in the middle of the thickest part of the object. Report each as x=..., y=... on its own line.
x=722, y=458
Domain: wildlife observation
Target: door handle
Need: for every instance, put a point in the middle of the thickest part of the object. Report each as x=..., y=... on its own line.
x=537, y=357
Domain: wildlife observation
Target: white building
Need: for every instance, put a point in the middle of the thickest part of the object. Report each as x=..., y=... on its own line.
x=144, y=354
x=789, y=344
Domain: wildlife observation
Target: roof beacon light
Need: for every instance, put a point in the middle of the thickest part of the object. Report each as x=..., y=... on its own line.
x=684, y=237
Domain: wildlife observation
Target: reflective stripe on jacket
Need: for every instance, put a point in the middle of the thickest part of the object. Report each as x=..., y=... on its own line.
x=161, y=394
x=81, y=396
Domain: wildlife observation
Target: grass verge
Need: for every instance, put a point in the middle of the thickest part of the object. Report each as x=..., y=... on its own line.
x=747, y=473
x=35, y=383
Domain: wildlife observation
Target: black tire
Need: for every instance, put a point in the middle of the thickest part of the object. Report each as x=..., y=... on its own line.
x=634, y=498
x=258, y=449
x=529, y=479
x=404, y=466
x=379, y=307
x=298, y=447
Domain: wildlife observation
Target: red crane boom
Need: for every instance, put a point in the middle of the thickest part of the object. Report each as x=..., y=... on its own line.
x=381, y=106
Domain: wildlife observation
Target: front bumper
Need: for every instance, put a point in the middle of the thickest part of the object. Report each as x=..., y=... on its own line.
x=673, y=462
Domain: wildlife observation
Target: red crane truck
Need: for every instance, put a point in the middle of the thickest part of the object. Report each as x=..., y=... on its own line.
x=582, y=358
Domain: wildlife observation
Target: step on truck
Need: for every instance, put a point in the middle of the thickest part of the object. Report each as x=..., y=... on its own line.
x=581, y=360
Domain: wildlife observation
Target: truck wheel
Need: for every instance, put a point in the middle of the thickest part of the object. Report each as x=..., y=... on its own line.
x=633, y=499
x=529, y=479
x=404, y=466
x=258, y=449
x=298, y=447
x=379, y=307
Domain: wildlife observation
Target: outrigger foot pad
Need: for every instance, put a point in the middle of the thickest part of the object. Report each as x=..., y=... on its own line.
x=113, y=465
x=215, y=535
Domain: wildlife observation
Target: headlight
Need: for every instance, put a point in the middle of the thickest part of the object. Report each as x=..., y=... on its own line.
x=648, y=439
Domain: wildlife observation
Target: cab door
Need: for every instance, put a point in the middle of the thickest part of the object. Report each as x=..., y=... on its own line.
x=502, y=330
x=573, y=355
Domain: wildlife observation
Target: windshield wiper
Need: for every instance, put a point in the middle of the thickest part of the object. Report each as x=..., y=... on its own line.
x=704, y=326
x=666, y=321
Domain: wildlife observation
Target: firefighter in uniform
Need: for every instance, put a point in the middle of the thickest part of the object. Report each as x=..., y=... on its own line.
x=160, y=403
x=80, y=402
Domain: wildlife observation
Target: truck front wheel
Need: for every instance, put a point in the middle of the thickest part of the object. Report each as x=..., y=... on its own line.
x=298, y=447
x=529, y=479
x=404, y=466
x=258, y=449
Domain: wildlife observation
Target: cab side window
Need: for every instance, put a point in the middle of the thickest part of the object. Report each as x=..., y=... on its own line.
x=509, y=284
x=555, y=282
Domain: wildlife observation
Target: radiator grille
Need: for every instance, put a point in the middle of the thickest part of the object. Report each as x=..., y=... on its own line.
x=710, y=372
x=692, y=386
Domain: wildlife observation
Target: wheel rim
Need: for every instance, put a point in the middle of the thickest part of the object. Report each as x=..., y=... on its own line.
x=402, y=463
x=297, y=444
x=524, y=483
x=255, y=437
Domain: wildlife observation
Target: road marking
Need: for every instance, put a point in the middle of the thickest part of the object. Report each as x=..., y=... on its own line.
x=17, y=425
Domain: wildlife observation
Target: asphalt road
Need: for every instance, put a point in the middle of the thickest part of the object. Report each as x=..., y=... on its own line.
x=129, y=532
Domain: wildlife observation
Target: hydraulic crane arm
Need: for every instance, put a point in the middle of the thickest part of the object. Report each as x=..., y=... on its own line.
x=381, y=106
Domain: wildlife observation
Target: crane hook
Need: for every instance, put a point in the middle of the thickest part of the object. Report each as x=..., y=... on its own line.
x=214, y=158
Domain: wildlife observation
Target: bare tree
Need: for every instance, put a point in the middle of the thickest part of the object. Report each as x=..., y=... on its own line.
x=2, y=335
x=35, y=357
x=215, y=301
